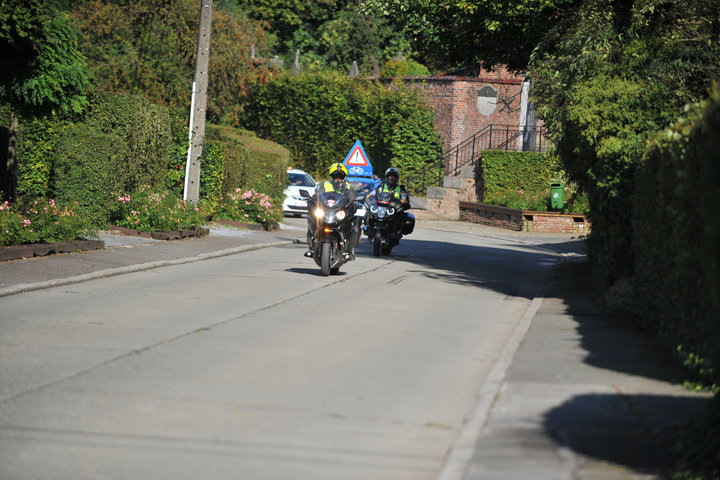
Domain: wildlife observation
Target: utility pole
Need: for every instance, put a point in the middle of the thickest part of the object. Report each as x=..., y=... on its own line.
x=198, y=105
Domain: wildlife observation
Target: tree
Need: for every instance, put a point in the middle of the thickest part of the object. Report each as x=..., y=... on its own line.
x=451, y=33
x=148, y=48
x=329, y=33
x=42, y=70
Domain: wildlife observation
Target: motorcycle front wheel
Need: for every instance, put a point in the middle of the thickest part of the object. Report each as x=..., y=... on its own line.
x=376, y=242
x=325, y=259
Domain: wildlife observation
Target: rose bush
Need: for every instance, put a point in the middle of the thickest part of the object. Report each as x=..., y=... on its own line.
x=251, y=207
x=148, y=210
x=41, y=220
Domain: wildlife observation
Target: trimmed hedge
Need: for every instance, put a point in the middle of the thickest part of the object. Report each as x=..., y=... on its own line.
x=676, y=230
x=530, y=171
x=320, y=116
x=144, y=127
x=249, y=162
x=84, y=171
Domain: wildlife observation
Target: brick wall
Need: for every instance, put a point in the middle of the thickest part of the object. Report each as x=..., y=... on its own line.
x=508, y=218
x=555, y=222
x=455, y=101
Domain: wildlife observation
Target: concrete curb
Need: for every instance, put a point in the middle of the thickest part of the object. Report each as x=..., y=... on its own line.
x=29, y=287
x=462, y=450
x=460, y=455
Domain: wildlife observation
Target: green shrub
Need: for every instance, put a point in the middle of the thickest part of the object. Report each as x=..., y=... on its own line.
x=37, y=139
x=677, y=236
x=211, y=175
x=520, y=199
x=528, y=171
x=85, y=171
x=144, y=128
x=250, y=162
x=404, y=68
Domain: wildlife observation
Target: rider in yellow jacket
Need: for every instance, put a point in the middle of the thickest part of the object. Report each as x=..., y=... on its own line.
x=337, y=183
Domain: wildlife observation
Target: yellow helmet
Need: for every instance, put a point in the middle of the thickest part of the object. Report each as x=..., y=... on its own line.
x=338, y=167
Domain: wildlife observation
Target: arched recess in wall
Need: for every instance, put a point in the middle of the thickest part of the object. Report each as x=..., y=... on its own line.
x=486, y=100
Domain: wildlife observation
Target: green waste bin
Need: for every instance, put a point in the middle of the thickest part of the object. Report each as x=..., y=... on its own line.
x=557, y=196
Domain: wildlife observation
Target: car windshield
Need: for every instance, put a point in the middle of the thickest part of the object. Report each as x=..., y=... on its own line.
x=300, y=179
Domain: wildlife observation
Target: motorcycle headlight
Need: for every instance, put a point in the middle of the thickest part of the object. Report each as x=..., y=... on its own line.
x=380, y=212
x=319, y=213
x=373, y=209
x=391, y=211
x=340, y=215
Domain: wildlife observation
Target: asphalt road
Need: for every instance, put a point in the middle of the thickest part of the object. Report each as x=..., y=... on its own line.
x=254, y=366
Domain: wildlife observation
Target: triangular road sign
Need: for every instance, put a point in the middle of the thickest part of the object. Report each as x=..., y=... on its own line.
x=357, y=161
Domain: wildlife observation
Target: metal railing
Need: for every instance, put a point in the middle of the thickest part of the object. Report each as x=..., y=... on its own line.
x=468, y=152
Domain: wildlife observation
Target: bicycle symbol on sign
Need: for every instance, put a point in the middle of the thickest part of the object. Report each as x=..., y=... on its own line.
x=356, y=170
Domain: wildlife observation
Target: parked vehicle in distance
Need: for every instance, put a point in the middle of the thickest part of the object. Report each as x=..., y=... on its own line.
x=294, y=203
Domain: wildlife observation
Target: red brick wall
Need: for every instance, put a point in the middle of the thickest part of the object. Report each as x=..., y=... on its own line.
x=455, y=102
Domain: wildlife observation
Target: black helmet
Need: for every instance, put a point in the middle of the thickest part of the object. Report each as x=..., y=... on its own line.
x=392, y=172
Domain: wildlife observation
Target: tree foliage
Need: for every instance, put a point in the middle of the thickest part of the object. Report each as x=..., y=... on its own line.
x=606, y=77
x=450, y=33
x=148, y=48
x=42, y=67
x=328, y=33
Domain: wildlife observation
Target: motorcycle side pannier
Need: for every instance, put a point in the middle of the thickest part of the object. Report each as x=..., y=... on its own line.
x=409, y=224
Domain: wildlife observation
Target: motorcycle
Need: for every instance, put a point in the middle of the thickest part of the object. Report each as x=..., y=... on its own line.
x=334, y=222
x=385, y=222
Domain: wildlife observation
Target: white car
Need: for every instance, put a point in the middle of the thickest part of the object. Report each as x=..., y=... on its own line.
x=294, y=203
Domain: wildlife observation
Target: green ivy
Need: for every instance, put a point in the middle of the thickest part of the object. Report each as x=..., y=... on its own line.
x=211, y=175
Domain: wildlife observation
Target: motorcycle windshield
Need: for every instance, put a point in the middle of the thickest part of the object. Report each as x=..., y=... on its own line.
x=379, y=198
x=334, y=200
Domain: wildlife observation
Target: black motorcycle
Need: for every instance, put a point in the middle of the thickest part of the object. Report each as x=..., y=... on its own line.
x=386, y=221
x=333, y=228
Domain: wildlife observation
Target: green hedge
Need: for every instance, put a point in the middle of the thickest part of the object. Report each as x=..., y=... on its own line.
x=531, y=171
x=84, y=171
x=320, y=116
x=676, y=231
x=250, y=162
x=144, y=128
x=37, y=139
